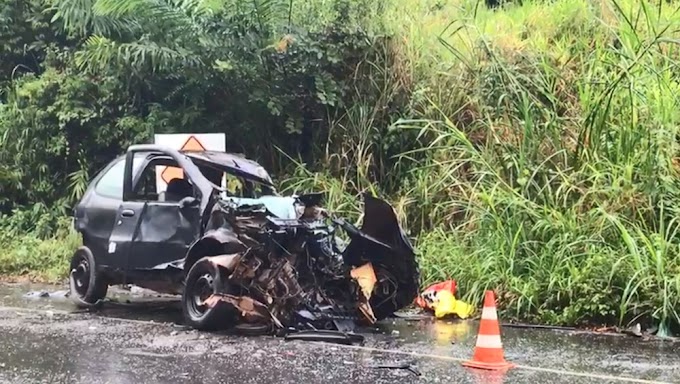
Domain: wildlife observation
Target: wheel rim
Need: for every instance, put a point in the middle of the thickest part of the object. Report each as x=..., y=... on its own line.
x=201, y=289
x=81, y=276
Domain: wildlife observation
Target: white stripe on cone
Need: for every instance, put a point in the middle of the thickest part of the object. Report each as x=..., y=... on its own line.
x=489, y=341
x=489, y=313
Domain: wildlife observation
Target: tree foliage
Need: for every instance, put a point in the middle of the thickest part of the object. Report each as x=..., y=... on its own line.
x=114, y=72
x=25, y=33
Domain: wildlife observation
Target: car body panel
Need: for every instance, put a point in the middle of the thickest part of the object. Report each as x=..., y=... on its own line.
x=119, y=247
x=157, y=233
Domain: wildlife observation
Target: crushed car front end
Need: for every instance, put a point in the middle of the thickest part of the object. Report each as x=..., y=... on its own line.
x=291, y=271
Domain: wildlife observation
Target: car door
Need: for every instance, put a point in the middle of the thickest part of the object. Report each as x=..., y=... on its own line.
x=123, y=233
x=149, y=232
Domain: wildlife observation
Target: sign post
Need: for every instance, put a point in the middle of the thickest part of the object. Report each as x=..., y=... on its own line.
x=185, y=142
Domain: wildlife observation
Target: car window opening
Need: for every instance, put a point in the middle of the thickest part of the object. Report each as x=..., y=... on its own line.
x=178, y=184
x=235, y=186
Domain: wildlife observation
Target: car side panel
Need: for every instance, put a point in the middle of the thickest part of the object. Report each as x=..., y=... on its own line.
x=120, y=240
x=165, y=235
x=94, y=217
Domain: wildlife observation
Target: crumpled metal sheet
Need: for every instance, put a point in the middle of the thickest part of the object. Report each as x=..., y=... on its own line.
x=250, y=309
x=365, y=277
x=229, y=262
x=293, y=274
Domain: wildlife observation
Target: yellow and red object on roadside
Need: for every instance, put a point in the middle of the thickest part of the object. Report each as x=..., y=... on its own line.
x=441, y=298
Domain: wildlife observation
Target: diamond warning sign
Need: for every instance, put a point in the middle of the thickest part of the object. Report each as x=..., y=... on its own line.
x=169, y=173
x=185, y=142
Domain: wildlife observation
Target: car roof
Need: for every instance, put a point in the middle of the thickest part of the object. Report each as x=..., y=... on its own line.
x=232, y=161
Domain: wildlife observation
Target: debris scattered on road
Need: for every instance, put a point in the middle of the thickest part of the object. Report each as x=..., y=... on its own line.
x=428, y=296
x=181, y=327
x=635, y=330
x=46, y=294
x=538, y=326
x=327, y=336
x=406, y=366
x=411, y=316
x=37, y=294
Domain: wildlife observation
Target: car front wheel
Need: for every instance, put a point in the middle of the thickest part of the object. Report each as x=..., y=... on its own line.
x=202, y=281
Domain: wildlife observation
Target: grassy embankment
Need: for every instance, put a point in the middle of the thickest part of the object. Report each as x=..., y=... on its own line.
x=548, y=166
x=36, y=256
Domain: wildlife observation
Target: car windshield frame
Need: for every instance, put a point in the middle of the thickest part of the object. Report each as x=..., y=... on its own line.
x=251, y=182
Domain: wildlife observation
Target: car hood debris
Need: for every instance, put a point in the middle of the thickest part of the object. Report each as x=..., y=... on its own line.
x=291, y=271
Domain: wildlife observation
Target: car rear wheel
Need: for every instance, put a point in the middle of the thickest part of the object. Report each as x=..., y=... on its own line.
x=87, y=285
x=202, y=281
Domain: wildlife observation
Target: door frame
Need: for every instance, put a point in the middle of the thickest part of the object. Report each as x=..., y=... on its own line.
x=202, y=191
x=202, y=184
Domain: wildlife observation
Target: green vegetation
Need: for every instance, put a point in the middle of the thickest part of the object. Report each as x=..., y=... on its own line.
x=28, y=256
x=530, y=149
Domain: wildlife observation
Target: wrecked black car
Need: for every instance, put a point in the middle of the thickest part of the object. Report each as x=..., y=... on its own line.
x=240, y=254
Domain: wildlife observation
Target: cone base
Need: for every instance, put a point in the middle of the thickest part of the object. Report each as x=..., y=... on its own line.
x=501, y=366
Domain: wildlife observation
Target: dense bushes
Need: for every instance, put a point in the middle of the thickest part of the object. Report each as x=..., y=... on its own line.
x=531, y=149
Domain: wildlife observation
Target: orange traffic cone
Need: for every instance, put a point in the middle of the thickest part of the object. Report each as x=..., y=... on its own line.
x=489, y=349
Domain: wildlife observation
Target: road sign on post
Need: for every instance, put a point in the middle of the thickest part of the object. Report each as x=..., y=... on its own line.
x=185, y=142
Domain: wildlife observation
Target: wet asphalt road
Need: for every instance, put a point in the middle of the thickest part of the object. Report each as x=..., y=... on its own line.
x=142, y=342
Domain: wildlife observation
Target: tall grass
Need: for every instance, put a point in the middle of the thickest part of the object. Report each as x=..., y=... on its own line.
x=36, y=253
x=545, y=163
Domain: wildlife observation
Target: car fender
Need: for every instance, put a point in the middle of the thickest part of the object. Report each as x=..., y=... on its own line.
x=219, y=241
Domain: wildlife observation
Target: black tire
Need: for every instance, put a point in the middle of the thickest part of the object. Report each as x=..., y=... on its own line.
x=203, y=280
x=85, y=282
x=253, y=329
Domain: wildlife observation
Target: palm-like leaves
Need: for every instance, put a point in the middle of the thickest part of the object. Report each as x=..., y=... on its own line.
x=160, y=35
x=101, y=52
x=77, y=17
